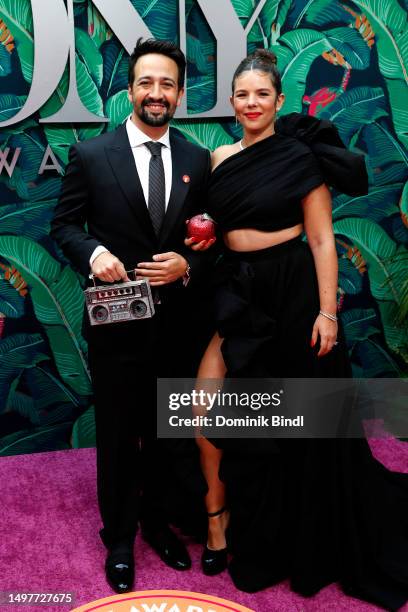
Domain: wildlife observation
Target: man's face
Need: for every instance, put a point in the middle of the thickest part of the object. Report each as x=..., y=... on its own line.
x=155, y=94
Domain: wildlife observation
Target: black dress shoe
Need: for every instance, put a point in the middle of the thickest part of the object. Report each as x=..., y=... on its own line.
x=214, y=561
x=169, y=548
x=120, y=571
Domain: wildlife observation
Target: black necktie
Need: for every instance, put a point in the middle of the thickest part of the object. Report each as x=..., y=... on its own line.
x=157, y=188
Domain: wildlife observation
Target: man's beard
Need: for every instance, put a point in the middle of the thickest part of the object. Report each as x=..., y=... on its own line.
x=155, y=120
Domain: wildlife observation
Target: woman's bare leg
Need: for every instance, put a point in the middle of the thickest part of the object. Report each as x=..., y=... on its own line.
x=212, y=366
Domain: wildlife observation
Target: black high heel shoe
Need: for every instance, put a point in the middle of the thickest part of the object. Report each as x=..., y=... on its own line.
x=214, y=561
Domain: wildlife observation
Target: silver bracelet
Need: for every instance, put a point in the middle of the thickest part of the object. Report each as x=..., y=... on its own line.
x=328, y=316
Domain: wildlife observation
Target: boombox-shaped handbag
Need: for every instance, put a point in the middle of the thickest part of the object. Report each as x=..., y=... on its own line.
x=125, y=301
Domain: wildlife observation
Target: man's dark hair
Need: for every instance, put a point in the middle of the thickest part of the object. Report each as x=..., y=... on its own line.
x=164, y=47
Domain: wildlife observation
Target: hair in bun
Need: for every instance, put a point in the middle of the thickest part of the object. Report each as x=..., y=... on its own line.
x=264, y=61
x=266, y=56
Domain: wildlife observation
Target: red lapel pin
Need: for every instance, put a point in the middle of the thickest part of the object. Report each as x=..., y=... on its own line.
x=186, y=178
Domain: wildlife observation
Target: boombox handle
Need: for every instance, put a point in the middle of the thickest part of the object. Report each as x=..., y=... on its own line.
x=132, y=271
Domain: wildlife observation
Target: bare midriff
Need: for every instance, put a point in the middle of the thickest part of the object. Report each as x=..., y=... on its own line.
x=248, y=239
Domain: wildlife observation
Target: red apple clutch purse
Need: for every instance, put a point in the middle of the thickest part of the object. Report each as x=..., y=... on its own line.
x=201, y=227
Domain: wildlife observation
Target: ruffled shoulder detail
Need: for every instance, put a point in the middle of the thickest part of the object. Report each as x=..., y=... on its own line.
x=341, y=169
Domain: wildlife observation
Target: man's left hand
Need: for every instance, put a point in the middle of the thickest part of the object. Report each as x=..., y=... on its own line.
x=165, y=268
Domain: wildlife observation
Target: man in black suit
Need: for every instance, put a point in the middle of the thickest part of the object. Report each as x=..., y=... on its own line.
x=125, y=198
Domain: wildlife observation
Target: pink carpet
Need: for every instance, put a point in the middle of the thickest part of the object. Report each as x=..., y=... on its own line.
x=49, y=539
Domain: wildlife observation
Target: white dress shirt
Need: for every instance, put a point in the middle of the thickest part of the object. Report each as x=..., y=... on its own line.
x=142, y=155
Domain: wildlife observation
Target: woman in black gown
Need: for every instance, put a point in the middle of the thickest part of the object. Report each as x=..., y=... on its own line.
x=315, y=511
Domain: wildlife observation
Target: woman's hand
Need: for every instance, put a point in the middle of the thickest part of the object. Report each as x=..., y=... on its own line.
x=327, y=330
x=203, y=245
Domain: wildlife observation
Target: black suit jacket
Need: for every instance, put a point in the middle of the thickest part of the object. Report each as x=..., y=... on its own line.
x=101, y=188
x=102, y=203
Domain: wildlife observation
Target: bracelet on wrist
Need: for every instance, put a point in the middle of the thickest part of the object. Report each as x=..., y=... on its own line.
x=328, y=315
x=186, y=276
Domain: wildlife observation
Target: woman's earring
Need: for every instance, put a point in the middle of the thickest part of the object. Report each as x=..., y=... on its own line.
x=236, y=121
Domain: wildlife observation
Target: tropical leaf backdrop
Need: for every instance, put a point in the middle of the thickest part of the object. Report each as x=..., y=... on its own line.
x=345, y=61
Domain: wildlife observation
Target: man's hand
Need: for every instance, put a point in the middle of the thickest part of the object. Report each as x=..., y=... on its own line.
x=165, y=268
x=108, y=268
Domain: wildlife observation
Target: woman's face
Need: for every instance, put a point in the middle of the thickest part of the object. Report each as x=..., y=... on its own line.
x=255, y=101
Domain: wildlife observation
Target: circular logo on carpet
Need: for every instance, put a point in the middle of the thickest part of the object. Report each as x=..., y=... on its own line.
x=162, y=601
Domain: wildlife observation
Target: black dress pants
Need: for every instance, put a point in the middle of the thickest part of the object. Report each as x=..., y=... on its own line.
x=135, y=471
x=125, y=360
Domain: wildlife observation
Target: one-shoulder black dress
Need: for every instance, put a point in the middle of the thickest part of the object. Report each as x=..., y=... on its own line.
x=315, y=511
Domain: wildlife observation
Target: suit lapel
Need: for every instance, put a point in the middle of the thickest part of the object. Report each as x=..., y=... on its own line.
x=121, y=159
x=179, y=188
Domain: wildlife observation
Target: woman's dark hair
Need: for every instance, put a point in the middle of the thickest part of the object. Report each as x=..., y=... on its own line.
x=164, y=47
x=264, y=61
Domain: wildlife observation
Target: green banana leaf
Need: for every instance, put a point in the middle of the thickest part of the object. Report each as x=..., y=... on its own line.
x=12, y=304
x=283, y=56
x=378, y=250
x=118, y=108
x=29, y=219
x=37, y=439
x=10, y=105
x=306, y=46
x=90, y=55
x=98, y=29
x=5, y=61
x=25, y=406
x=43, y=189
x=386, y=267
x=47, y=389
x=205, y=134
x=195, y=55
x=197, y=26
x=398, y=230
x=359, y=324
x=160, y=16
x=375, y=359
x=200, y=94
x=350, y=279
x=350, y=43
x=17, y=352
x=58, y=305
x=83, y=432
x=22, y=404
x=320, y=13
x=49, y=400
x=274, y=13
x=388, y=161
x=18, y=17
x=244, y=10
x=115, y=68
x=389, y=22
x=380, y=203
x=354, y=108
